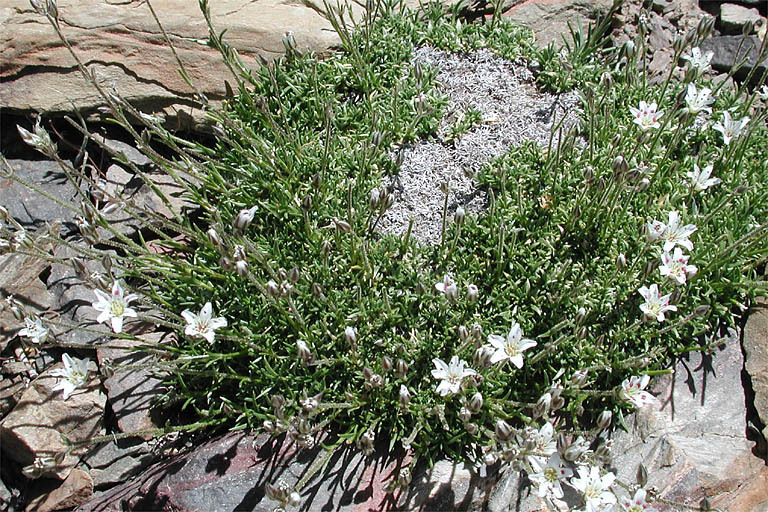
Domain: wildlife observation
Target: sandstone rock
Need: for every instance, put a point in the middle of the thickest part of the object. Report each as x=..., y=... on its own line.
x=11, y=390
x=34, y=427
x=733, y=18
x=549, y=18
x=132, y=392
x=28, y=207
x=725, y=54
x=661, y=32
x=231, y=472
x=756, y=359
x=122, y=44
x=19, y=277
x=76, y=489
x=694, y=443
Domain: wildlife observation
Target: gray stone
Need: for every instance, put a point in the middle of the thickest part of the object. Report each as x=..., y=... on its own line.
x=76, y=489
x=733, y=18
x=693, y=443
x=133, y=392
x=549, y=20
x=122, y=149
x=725, y=53
x=756, y=358
x=661, y=33
x=32, y=209
x=114, y=462
x=230, y=473
x=35, y=426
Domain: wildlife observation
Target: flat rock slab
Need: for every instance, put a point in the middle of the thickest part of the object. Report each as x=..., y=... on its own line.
x=34, y=427
x=756, y=358
x=75, y=490
x=231, y=472
x=549, y=18
x=728, y=50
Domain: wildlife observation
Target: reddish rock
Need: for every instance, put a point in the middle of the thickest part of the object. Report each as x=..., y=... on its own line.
x=75, y=490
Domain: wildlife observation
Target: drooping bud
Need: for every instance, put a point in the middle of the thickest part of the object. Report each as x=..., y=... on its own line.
x=244, y=219
x=80, y=269
x=701, y=310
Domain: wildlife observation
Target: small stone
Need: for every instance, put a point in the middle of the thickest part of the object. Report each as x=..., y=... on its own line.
x=35, y=426
x=725, y=54
x=733, y=18
x=131, y=153
x=661, y=32
x=133, y=392
x=11, y=390
x=75, y=490
x=114, y=462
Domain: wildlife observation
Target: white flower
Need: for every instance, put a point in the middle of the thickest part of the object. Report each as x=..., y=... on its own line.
x=676, y=266
x=698, y=61
x=594, y=488
x=512, y=348
x=448, y=288
x=451, y=375
x=114, y=307
x=763, y=93
x=637, y=503
x=544, y=441
x=675, y=234
x=202, y=325
x=632, y=391
x=646, y=117
x=655, y=305
x=34, y=330
x=654, y=230
x=548, y=476
x=699, y=100
x=75, y=373
x=700, y=179
x=730, y=128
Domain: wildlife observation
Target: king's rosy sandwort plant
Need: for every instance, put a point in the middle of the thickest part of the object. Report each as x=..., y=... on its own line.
x=295, y=316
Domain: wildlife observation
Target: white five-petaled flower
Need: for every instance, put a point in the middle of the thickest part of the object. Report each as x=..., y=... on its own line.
x=699, y=61
x=34, y=330
x=655, y=305
x=548, y=475
x=633, y=391
x=75, y=373
x=698, y=100
x=700, y=178
x=654, y=230
x=544, y=443
x=451, y=375
x=646, y=117
x=676, y=266
x=448, y=287
x=675, y=234
x=203, y=325
x=729, y=127
x=511, y=348
x=637, y=503
x=114, y=306
x=595, y=489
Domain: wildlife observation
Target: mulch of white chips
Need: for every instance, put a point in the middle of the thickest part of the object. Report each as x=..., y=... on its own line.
x=513, y=110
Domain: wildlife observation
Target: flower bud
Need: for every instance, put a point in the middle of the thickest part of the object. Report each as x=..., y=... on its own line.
x=306, y=202
x=701, y=310
x=472, y=428
x=463, y=333
x=244, y=219
x=350, y=335
x=629, y=50
x=579, y=378
x=679, y=44
x=458, y=217
x=477, y=332
x=405, y=396
x=563, y=442
x=375, y=199
x=404, y=477
x=604, y=420
x=465, y=414
x=294, y=275
x=342, y=226
x=80, y=269
x=576, y=450
x=317, y=291
x=544, y=402
x=304, y=353
x=214, y=238
x=748, y=27
x=503, y=431
x=386, y=364
x=401, y=369
x=241, y=267
x=476, y=402
x=472, y=293
x=272, y=288
x=558, y=403
x=277, y=401
x=325, y=248
x=621, y=262
x=642, y=475
x=482, y=356
x=619, y=166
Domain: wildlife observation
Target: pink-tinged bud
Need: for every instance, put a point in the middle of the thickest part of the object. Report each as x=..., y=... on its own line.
x=386, y=364
x=213, y=237
x=472, y=293
x=244, y=219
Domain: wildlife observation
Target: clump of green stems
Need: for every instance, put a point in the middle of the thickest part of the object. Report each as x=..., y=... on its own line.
x=561, y=248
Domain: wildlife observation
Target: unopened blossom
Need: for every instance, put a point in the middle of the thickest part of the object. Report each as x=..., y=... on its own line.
x=34, y=330
x=637, y=503
x=646, y=116
x=676, y=266
x=448, y=287
x=700, y=178
x=549, y=475
x=655, y=304
x=512, y=347
x=633, y=391
x=699, y=61
x=676, y=234
x=75, y=374
x=114, y=307
x=203, y=325
x=730, y=128
x=698, y=100
x=595, y=489
x=451, y=375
